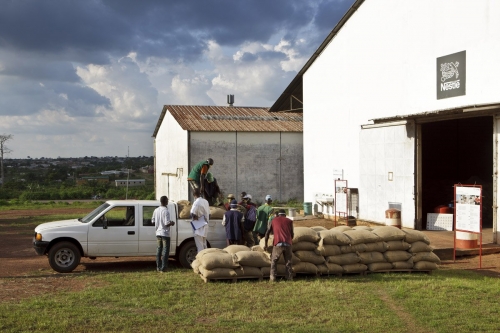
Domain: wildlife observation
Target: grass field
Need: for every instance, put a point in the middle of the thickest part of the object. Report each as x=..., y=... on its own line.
x=179, y=301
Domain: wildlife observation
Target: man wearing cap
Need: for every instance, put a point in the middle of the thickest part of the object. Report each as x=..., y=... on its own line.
x=230, y=197
x=282, y=228
x=233, y=220
x=196, y=177
x=263, y=213
x=247, y=200
x=250, y=219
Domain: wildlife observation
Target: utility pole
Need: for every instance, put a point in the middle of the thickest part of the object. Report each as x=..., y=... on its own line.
x=3, y=150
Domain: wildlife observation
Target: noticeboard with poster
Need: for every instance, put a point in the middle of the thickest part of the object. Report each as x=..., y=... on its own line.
x=468, y=208
x=341, y=196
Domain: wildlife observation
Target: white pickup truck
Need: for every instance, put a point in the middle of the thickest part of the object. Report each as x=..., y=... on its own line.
x=118, y=228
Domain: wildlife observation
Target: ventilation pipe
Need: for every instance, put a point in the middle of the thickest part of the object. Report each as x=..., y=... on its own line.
x=230, y=100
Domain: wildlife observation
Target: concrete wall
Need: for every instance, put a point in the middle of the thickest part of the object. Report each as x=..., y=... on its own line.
x=383, y=63
x=250, y=162
x=171, y=160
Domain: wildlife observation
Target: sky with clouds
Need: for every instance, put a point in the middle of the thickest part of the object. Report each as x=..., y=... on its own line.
x=90, y=78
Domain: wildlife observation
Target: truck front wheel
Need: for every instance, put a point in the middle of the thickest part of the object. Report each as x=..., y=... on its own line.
x=187, y=254
x=64, y=257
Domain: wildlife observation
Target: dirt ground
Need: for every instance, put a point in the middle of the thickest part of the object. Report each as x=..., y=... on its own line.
x=24, y=274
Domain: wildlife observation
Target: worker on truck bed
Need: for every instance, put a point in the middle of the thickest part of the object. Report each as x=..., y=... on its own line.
x=196, y=177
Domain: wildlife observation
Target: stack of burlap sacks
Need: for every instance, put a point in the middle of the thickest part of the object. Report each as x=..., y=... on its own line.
x=184, y=210
x=321, y=251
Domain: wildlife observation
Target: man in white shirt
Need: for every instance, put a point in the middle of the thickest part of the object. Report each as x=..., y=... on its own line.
x=200, y=213
x=161, y=220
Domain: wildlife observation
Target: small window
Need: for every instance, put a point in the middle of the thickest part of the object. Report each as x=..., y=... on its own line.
x=147, y=215
x=123, y=216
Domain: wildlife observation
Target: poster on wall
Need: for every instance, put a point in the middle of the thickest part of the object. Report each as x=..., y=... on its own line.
x=451, y=75
x=468, y=208
x=341, y=196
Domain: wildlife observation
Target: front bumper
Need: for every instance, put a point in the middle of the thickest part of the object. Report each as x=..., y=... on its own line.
x=40, y=247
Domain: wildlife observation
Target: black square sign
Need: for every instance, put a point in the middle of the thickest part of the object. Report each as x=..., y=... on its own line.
x=451, y=75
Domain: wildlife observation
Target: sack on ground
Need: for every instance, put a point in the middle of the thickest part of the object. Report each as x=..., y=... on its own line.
x=388, y=233
x=408, y=264
x=257, y=248
x=419, y=247
x=305, y=267
x=217, y=213
x=334, y=268
x=413, y=236
x=393, y=256
x=371, y=257
x=328, y=250
x=195, y=265
x=280, y=270
x=304, y=234
x=361, y=236
x=362, y=227
x=310, y=256
x=426, y=256
x=400, y=245
x=209, y=250
x=252, y=259
x=341, y=228
x=354, y=248
x=425, y=266
x=322, y=269
x=354, y=268
x=236, y=248
x=333, y=237
x=344, y=259
x=318, y=228
x=281, y=260
x=217, y=260
x=304, y=246
x=379, y=266
x=377, y=247
x=269, y=243
x=248, y=271
x=217, y=273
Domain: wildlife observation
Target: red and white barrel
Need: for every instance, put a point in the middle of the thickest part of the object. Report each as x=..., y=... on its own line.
x=466, y=240
x=393, y=218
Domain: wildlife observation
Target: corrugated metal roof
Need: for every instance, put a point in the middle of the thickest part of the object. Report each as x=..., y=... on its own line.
x=231, y=118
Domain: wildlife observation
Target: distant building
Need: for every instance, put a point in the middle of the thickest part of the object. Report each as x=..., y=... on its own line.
x=85, y=180
x=131, y=182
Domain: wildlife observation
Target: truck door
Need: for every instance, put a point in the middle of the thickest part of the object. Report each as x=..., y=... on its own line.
x=147, y=232
x=115, y=232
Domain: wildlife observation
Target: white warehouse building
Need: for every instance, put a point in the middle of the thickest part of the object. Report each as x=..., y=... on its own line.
x=404, y=97
x=253, y=150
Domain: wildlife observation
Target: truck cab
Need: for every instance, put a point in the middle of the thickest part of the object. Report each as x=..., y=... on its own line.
x=119, y=228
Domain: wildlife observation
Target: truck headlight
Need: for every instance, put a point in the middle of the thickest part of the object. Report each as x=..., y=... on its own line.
x=38, y=236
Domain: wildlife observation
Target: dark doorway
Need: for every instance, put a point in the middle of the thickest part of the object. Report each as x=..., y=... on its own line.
x=453, y=152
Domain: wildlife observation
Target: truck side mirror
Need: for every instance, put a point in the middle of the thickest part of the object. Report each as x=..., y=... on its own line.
x=105, y=224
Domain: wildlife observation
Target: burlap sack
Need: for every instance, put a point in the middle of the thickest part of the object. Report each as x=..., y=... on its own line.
x=248, y=271
x=236, y=248
x=426, y=256
x=181, y=204
x=379, y=266
x=354, y=268
x=362, y=227
x=217, y=273
x=304, y=234
x=377, y=247
x=371, y=257
x=185, y=213
x=209, y=250
x=333, y=237
x=281, y=260
x=354, y=248
x=344, y=259
x=217, y=213
x=389, y=233
x=269, y=243
x=400, y=245
x=408, y=264
x=334, y=268
x=419, y=247
x=361, y=236
x=217, y=260
x=328, y=250
x=393, y=256
x=252, y=259
x=280, y=270
x=322, y=269
x=318, y=228
x=304, y=246
x=257, y=248
x=310, y=256
x=195, y=265
x=341, y=228
x=413, y=236
x=305, y=267
x=425, y=266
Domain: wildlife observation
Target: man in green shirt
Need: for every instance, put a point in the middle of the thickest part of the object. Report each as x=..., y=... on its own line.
x=198, y=174
x=263, y=213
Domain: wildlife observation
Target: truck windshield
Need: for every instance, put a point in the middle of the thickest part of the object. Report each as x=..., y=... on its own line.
x=94, y=213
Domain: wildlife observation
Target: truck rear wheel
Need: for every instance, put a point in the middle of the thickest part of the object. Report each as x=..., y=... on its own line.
x=64, y=257
x=187, y=254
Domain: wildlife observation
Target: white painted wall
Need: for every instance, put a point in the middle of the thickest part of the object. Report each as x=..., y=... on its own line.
x=383, y=63
x=171, y=156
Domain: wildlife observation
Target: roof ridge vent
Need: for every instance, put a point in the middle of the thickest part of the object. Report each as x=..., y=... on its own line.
x=230, y=100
